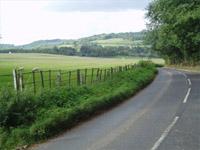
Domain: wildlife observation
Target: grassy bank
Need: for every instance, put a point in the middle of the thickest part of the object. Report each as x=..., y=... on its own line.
x=26, y=118
x=186, y=68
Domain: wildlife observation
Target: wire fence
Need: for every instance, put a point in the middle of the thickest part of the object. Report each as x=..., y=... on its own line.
x=38, y=79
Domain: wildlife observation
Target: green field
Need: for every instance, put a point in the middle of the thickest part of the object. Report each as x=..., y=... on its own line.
x=47, y=61
x=55, y=62
x=118, y=42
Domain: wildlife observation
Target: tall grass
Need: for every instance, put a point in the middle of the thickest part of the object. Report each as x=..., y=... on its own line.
x=26, y=118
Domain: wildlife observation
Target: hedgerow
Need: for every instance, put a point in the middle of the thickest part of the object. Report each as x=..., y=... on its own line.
x=26, y=118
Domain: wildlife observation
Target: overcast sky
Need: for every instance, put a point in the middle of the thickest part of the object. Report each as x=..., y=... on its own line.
x=24, y=21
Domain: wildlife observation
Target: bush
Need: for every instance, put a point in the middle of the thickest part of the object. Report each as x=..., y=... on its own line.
x=16, y=109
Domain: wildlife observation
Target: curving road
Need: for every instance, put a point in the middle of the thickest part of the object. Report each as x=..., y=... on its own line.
x=164, y=116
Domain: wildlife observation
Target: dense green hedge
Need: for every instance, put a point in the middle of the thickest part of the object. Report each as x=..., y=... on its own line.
x=26, y=118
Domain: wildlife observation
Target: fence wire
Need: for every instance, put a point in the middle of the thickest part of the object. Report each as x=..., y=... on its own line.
x=43, y=79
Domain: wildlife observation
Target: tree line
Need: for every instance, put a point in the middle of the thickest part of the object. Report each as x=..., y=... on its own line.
x=110, y=51
x=90, y=50
x=174, y=30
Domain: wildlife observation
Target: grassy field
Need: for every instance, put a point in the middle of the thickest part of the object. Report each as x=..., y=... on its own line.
x=47, y=61
x=55, y=62
x=118, y=42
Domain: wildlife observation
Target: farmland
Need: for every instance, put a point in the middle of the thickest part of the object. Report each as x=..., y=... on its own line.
x=54, y=62
x=118, y=42
x=47, y=61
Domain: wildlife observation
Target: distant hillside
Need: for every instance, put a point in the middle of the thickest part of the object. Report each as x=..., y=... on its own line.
x=6, y=46
x=101, y=45
x=112, y=39
x=127, y=36
x=42, y=44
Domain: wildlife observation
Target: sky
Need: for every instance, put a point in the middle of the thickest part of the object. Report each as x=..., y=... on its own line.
x=25, y=21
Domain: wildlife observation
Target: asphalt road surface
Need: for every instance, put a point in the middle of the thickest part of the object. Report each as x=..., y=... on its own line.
x=163, y=116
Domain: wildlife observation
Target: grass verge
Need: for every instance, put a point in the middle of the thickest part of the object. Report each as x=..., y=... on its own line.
x=186, y=68
x=26, y=118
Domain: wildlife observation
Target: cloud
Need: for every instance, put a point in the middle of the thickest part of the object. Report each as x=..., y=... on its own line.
x=26, y=21
x=97, y=5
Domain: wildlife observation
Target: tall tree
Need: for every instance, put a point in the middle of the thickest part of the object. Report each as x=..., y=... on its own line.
x=174, y=30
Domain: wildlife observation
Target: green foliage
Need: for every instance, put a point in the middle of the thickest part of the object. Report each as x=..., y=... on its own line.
x=53, y=50
x=174, y=30
x=17, y=109
x=131, y=36
x=94, y=50
x=52, y=111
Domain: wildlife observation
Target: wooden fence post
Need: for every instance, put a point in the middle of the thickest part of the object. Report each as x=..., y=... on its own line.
x=42, y=78
x=33, y=75
x=20, y=78
x=120, y=69
x=78, y=78
x=104, y=75
x=97, y=76
x=92, y=75
x=34, y=84
x=69, y=81
x=49, y=78
x=15, y=80
x=59, y=78
x=81, y=78
x=108, y=72
x=111, y=72
x=86, y=76
x=100, y=74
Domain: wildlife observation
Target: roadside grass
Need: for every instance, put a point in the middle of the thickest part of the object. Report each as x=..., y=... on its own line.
x=186, y=68
x=26, y=118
